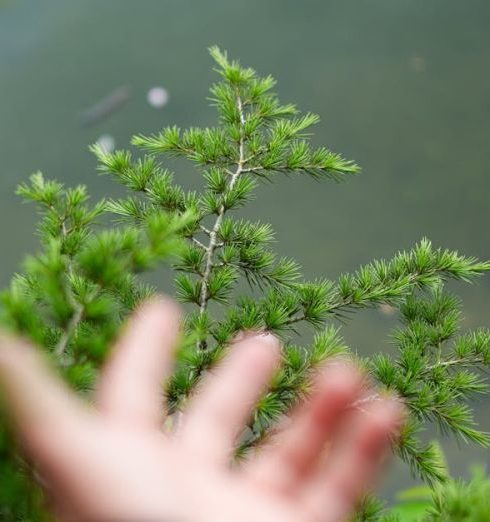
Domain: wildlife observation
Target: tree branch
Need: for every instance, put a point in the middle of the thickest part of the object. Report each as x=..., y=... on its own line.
x=213, y=234
x=77, y=307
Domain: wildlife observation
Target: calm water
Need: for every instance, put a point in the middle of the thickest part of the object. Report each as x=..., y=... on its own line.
x=402, y=87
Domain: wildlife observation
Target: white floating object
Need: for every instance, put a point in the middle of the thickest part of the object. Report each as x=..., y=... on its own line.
x=107, y=143
x=157, y=97
x=418, y=64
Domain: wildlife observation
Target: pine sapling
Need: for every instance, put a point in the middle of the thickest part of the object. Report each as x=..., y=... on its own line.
x=73, y=296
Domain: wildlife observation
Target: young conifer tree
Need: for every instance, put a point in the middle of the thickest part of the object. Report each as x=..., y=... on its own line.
x=73, y=296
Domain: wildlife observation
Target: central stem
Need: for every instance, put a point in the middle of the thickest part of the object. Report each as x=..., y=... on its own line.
x=213, y=234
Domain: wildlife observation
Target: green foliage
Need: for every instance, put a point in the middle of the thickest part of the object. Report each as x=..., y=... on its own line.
x=453, y=501
x=462, y=502
x=71, y=299
x=73, y=296
x=436, y=372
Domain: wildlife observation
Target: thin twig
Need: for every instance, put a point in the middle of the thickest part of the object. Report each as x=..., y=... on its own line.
x=454, y=362
x=198, y=243
x=205, y=230
x=294, y=320
x=69, y=330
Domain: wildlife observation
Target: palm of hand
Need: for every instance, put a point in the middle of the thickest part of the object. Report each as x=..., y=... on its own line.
x=116, y=464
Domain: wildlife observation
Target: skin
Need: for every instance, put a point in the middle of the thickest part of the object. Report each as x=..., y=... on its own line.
x=113, y=462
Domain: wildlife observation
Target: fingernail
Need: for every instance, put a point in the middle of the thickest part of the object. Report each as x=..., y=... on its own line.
x=262, y=337
x=269, y=338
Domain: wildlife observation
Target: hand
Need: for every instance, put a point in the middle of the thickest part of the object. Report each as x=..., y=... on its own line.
x=115, y=463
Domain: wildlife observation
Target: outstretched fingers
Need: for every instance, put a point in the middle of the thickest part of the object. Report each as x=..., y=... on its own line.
x=227, y=396
x=130, y=388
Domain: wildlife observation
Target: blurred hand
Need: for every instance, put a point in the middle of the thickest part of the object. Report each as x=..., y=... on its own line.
x=114, y=462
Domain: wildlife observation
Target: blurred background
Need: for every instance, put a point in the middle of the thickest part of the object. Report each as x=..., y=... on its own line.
x=401, y=87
